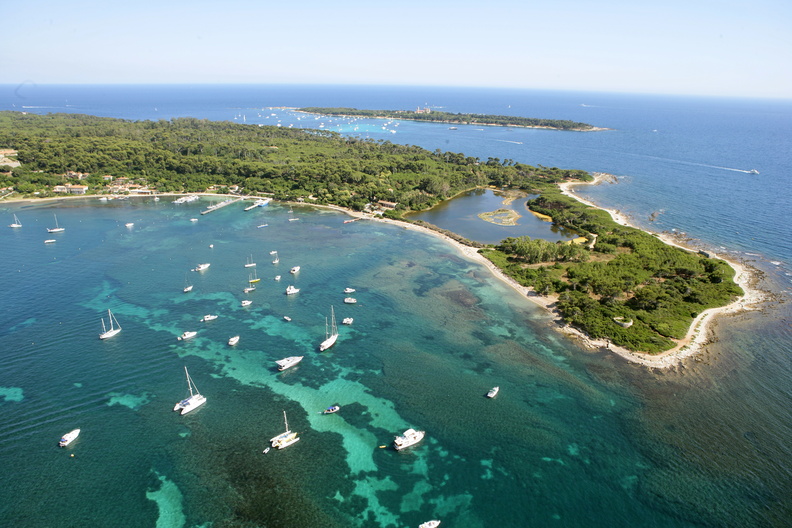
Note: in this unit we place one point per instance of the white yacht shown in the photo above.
(192, 402)
(409, 438)
(233, 341)
(246, 302)
(112, 323)
(69, 437)
(295, 269)
(331, 333)
(201, 267)
(187, 335)
(493, 392)
(291, 290)
(286, 438)
(130, 224)
(350, 300)
(57, 228)
(277, 277)
(208, 317)
(429, 524)
(349, 290)
(348, 321)
(285, 363)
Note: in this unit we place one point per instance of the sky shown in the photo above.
(727, 48)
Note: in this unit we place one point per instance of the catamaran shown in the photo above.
(57, 228)
(286, 438)
(195, 399)
(331, 334)
(16, 223)
(114, 326)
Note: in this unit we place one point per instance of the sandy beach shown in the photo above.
(698, 334)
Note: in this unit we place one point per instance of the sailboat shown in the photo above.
(187, 286)
(286, 438)
(330, 335)
(57, 228)
(194, 401)
(253, 278)
(250, 263)
(16, 223)
(114, 326)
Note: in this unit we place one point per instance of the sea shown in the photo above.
(575, 437)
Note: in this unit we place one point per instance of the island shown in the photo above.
(434, 116)
(615, 284)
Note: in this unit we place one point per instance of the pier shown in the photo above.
(220, 205)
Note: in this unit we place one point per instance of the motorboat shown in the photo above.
(350, 300)
(287, 318)
(130, 224)
(201, 267)
(409, 438)
(112, 323)
(49, 241)
(493, 392)
(332, 409)
(277, 277)
(295, 269)
(68, 438)
(187, 335)
(348, 321)
(193, 401)
(349, 290)
(233, 341)
(208, 317)
(288, 362)
(291, 290)
(246, 302)
(286, 438)
(429, 524)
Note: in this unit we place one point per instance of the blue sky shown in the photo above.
(697, 47)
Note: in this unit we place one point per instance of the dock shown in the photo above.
(220, 205)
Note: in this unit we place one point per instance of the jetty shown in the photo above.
(220, 205)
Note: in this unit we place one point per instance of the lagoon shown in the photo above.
(461, 215)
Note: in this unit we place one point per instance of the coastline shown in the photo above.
(700, 332)
(698, 335)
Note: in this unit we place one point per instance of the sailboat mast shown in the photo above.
(189, 381)
(285, 421)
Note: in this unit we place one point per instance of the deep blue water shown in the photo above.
(576, 437)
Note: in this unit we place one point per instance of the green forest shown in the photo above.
(454, 119)
(620, 274)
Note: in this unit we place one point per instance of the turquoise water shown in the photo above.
(432, 333)
(576, 437)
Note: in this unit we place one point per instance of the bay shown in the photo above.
(575, 437)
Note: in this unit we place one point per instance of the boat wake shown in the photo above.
(508, 141)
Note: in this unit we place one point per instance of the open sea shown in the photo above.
(576, 437)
